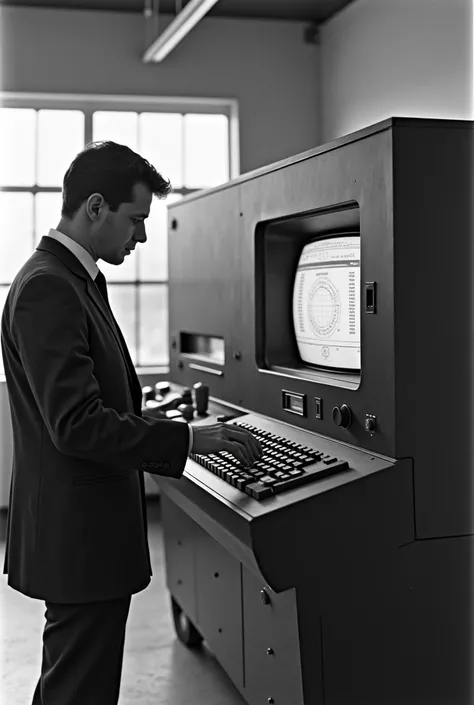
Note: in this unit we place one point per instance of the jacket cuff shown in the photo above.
(190, 438)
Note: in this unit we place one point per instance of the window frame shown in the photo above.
(90, 103)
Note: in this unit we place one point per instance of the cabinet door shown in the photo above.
(179, 531)
(219, 603)
(272, 665)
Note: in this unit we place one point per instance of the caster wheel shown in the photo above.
(185, 629)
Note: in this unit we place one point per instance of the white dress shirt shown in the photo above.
(92, 269)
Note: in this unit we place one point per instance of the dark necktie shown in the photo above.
(102, 286)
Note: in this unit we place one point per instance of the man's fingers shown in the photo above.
(236, 451)
(252, 445)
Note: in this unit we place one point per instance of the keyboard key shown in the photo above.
(296, 463)
(318, 472)
(269, 482)
(265, 478)
(258, 491)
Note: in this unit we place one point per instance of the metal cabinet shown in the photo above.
(179, 556)
(219, 603)
(271, 644)
(251, 630)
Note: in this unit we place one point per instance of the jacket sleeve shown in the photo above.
(49, 329)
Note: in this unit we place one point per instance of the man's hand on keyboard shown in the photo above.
(213, 438)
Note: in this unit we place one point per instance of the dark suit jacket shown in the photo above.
(76, 527)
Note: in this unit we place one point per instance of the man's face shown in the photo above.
(119, 232)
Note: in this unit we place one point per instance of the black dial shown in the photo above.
(342, 416)
(370, 425)
(148, 393)
(162, 388)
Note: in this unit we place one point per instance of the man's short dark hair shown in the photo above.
(112, 170)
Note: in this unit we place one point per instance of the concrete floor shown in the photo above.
(157, 668)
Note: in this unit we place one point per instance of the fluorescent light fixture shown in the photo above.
(178, 29)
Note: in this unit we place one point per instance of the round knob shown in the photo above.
(162, 388)
(270, 651)
(342, 416)
(201, 393)
(187, 410)
(265, 596)
(148, 393)
(187, 396)
(152, 404)
(370, 425)
(237, 355)
(270, 701)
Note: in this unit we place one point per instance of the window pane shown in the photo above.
(3, 297)
(206, 150)
(60, 138)
(153, 324)
(17, 146)
(47, 213)
(125, 272)
(161, 142)
(121, 127)
(16, 233)
(153, 255)
(122, 302)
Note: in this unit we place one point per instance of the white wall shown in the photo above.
(384, 58)
(266, 65)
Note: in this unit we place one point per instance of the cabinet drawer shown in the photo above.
(219, 603)
(271, 644)
(179, 531)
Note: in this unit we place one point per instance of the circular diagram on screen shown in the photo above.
(324, 308)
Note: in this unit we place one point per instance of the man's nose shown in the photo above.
(140, 232)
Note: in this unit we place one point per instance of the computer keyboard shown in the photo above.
(284, 465)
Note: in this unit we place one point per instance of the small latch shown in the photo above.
(370, 297)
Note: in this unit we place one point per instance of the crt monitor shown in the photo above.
(326, 302)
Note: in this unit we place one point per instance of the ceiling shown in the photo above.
(301, 10)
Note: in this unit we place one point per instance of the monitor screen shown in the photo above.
(326, 302)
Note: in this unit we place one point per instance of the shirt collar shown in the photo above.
(82, 255)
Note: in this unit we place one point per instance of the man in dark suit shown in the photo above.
(77, 527)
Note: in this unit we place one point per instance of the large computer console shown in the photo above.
(327, 301)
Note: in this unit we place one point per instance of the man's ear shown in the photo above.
(96, 207)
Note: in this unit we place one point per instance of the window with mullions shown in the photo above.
(37, 146)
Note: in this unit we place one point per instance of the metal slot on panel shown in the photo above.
(370, 298)
(293, 402)
(202, 368)
(209, 348)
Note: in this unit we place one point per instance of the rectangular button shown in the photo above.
(258, 491)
